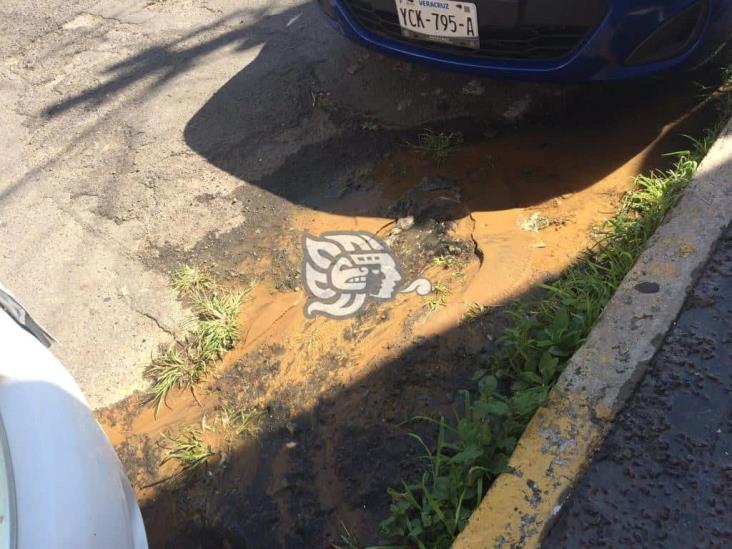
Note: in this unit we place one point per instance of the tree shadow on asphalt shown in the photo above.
(165, 62)
(299, 89)
(353, 445)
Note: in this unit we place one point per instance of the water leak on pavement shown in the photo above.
(509, 208)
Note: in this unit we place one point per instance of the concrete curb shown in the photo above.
(561, 439)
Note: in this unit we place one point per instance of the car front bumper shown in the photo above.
(608, 52)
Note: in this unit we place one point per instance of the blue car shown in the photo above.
(560, 40)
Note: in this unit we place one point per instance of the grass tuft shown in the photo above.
(215, 329)
(188, 280)
(348, 539)
(170, 371)
(440, 288)
(187, 449)
(475, 311)
(438, 145)
(542, 336)
(727, 75)
(239, 421)
(435, 303)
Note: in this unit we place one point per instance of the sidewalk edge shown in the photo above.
(560, 440)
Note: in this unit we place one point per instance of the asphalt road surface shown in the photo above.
(663, 477)
(133, 131)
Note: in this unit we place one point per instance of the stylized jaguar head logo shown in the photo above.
(345, 270)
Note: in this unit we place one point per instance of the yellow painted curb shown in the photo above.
(560, 440)
(548, 457)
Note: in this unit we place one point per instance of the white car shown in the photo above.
(61, 483)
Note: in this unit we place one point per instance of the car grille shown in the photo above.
(521, 42)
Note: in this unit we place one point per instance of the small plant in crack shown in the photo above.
(214, 330)
(437, 145)
(187, 280)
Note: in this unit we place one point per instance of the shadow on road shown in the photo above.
(165, 62)
(332, 463)
(308, 85)
(328, 466)
(571, 138)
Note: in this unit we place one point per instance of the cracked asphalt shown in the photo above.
(663, 477)
(137, 134)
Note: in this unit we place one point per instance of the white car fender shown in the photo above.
(70, 491)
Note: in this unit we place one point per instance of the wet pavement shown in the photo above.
(144, 136)
(335, 391)
(663, 477)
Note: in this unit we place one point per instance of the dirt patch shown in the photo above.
(339, 396)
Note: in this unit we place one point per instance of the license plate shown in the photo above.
(439, 21)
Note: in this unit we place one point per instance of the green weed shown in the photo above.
(438, 145)
(541, 337)
(474, 312)
(727, 75)
(186, 280)
(214, 330)
(444, 261)
(435, 303)
(239, 421)
(348, 540)
(170, 371)
(440, 288)
(187, 449)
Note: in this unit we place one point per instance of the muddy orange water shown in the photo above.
(507, 211)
